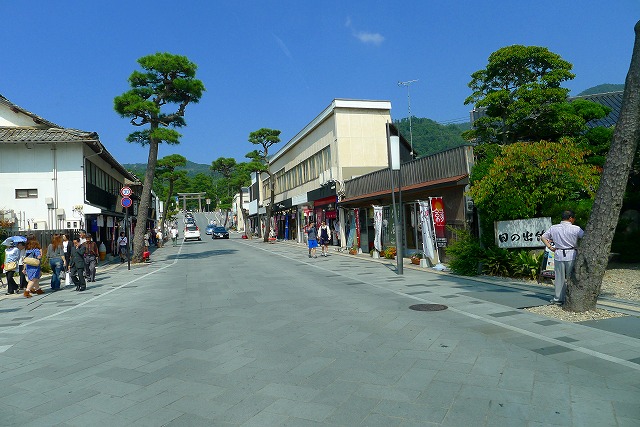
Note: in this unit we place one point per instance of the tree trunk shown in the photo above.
(166, 206)
(145, 202)
(584, 285)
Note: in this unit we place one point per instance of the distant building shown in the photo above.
(612, 100)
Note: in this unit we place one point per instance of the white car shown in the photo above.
(191, 232)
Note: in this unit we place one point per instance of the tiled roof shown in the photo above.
(612, 100)
(28, 134)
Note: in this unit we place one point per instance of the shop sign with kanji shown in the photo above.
(521, 233)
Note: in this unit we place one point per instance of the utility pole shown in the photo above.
(407, 84)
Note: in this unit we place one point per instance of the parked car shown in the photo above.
(209, 229)
(220, 233)
(191, 232)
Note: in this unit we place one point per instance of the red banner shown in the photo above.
(356, 212)
(437, 215)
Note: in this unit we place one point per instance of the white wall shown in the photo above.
(33, 168)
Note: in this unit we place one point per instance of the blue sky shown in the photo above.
(278, 64)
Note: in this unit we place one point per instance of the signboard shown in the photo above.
(427, 232)
(521, 233)
(439, 223)
(125, 191)
(126, 202)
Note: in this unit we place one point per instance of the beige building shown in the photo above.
(347, 139)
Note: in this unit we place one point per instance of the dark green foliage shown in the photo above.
(464, 253)
(430, 137)
(626, 245)
(582, 209)
(191, 168)
(497, 262)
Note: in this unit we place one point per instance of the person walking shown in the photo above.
(312, 239)
(122, 246)
(325, 232)
(160, 237)
(90, 258)
(55, 253)
(66, 248)
(21, 271)
(562, 240)
(174, 235)
(33, 272)
(76, 265)
(11, 258)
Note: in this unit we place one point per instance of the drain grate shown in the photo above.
(428, 307)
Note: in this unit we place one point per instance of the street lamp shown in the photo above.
(407, 84)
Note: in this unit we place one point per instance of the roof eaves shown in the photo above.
(36, 119)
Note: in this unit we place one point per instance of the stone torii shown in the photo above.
(191, 196)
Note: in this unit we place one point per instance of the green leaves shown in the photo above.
(516, 88)
(525, 177)
(166, 80)
(264, 137)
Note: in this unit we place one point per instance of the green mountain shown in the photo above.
(603, 88)
(431, 137)
(192, 169)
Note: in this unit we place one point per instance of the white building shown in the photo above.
(240, 209)
(55, 178)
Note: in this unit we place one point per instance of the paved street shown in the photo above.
(242, 333)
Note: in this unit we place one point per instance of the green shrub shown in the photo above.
(465, 253)
(390, 252)
(497, 262)
(527, 264)
(626, 244)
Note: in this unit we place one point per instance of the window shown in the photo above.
(30, 193)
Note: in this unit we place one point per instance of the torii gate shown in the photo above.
(191, 196)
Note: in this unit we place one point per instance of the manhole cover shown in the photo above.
(428, 307)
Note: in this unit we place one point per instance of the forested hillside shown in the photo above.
(603, 88)
(430, 137)
(192, 169)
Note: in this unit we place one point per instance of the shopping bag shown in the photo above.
(67, 278)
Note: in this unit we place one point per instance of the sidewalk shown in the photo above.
(108, 264)
(598, 346)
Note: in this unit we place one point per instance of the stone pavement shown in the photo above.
(242, 333)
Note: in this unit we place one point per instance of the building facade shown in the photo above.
(347, 139)
(56, 178)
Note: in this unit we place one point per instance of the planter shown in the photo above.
(353, 251)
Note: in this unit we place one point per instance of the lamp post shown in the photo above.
(407, 84)
(393, 148)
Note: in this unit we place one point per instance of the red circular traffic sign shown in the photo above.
(125, 191)
(126, 202)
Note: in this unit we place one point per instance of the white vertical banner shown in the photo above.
(377, 217)
(427, 236)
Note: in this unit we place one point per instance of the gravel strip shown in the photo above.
(556, 312)
(621, 281)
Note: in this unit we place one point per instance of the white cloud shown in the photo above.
(373, 38)
(364, 36)
(283, 47)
